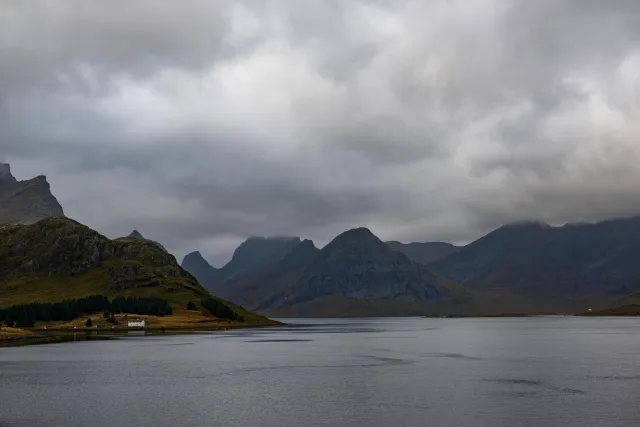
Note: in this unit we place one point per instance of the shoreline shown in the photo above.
(40, 336)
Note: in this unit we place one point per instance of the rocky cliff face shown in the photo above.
(25, 202)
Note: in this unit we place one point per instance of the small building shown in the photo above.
(136, 323)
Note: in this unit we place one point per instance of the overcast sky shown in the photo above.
(202, 122)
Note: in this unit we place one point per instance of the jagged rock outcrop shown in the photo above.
(25, 202)
(135, 234)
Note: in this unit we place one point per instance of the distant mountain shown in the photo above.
(25, 202)
(424, 253)
(206, 274)
(358, 274)
(541, 267)
(135, 234)
(254, 253)
(254, 287)
(257, 252)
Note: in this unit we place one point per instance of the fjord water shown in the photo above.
(548, 371)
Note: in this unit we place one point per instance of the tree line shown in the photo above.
(221, 310)
(26, 315)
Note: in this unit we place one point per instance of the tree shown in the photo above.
(88, 323)
(191, 306)
(106, 315)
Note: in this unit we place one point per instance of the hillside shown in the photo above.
(424, 253)
(25, 202)
(539, 267)
(58, 259)
(357, 274)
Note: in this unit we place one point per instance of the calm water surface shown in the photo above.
(344, 373)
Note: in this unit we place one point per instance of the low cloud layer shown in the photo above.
(202, 122)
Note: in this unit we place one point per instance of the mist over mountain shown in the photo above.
(424, 253)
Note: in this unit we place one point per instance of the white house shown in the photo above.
(137, 323)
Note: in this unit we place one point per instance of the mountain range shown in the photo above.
(523, 267)
(526, 267)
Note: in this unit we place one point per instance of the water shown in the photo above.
(534, 372)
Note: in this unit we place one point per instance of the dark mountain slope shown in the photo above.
(25, 202)
(206, 274)
(358, 269)
(253, 254)
(424, 253)
(554, 267)
(256, 286)
(257, 252)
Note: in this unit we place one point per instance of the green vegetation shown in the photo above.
(25, 315)
(218, 309)
(59, 270)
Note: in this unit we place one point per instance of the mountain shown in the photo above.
(135, 234)
(358, 274)
(540, 267)
(256, 286)
(57, 259)
(25, 202)
(424, 253)
(257, 252)
(206, 274)
(254, 253)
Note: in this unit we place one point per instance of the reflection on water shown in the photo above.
(355, 372)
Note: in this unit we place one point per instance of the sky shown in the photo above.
(200, 123)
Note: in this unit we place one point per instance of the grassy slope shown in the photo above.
(143, 269)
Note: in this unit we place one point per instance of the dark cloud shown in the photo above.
(202, 122)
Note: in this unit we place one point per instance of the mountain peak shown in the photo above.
(25, 202)
(136, 235)
(356, 237)
(6, 179)
(5, 170)
(195, 255)
(300, 255)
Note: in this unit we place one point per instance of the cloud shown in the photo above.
(203, 122)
